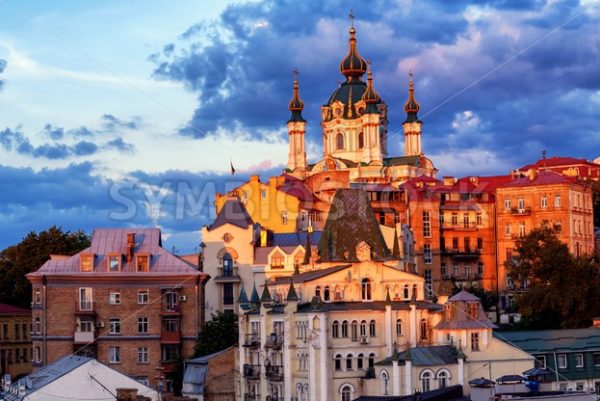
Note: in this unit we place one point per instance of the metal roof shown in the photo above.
(543, 341)
(426, 356)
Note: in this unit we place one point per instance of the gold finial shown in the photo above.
(351, 16)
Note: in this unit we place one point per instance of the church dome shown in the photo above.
(353, 65)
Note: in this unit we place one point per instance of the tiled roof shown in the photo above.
(542, 341)
(557, 161)
(233, 212)
(294, 239)
(547, 177)
(6, 309)
(107, 241)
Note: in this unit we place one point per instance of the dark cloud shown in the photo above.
(240, 67)
(111, 123)
(55, 133)
(120, 145)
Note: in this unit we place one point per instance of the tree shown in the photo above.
(217, 334)
(562, 291)
(29, 255)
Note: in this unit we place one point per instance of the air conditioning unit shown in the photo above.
(100, 325)
(182, 298)
(364, 340)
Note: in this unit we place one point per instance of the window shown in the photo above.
(443, 377)
(479, 243)
(557, 200)
(479, 217)
(423, 329)
(371, 360)
(142, 325)
(114, 326)
(474, 341)
(263, 194)
(85, 299)
(521, 229)
(38, 327)
(473, 310)
(562, 361)
(114, 263)
(372, 328)
(398, 327)
(169, 352)
(426, 381)
(406, 292)
(428, 284)
(443, 271)
(506, 204)
(456, 271)
(521, 204)
(427, 253)
(86, 326)
(227, 265)
(114, 298)
(454, 219)
(363, 328)
(37, 297)
(114, 354)
(597, 359)
(579, 360)
(142, 356)
(544, 201)
(142, 263)
(354, 330)
(326, 294)
(361, 140)
(360, 362)
(345, 329)
(366, 289)
(455, 243)
(335, 329)
(508, 230)
(86, 263)
(318, 292)
(466, 220)
(338, 362)
(426, 225)
(142, 297)
(38, 354)
(480, 269)
(170, 324)
(339, 141)
(349, 362)
(346, 393)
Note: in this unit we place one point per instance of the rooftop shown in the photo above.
(6, 309)
(545, 341)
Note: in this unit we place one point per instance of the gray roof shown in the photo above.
(45, 376)
(310, 275)
(451, 393)
(194, 378)
(110, 241)
(544, 341)
(463, 296)
(261, 254)
(430, 356)
(232, 212)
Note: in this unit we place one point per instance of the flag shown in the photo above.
(231, 165)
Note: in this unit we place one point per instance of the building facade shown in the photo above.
(15, 341)
(125, 301)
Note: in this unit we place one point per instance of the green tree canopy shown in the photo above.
(29, 255)
(562, 291)
(217, 334)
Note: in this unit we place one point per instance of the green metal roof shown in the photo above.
(543, 341)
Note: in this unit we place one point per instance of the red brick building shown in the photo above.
(124, 300)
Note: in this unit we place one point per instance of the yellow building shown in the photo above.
(15, 341)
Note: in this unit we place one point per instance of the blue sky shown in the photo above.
(127, 113)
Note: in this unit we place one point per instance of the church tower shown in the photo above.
(371, 140)
(412, 125)
(296, 131)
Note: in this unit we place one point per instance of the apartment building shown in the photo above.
(15, 341)
(124, 300)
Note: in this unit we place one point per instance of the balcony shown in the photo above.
(251, 372)
(274, 373)
(466, 254)
(370, 373)
(227, 275)
(83, 337)
(464, 226)
(468, 277)
(172, 309)
(274, 398)
(520, 211)
(252, 341)
(85, 308)
(274, 341)
(251, 397)
(170, 337)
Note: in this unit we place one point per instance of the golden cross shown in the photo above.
(351, 16)
(296, 72)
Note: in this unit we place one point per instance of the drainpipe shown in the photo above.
(44, 282)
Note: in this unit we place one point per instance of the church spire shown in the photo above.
(411, 106)
(370, 96)
(296, 105)
(353, 65)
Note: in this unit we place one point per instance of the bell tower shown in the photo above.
(296, 131)
(412, 125)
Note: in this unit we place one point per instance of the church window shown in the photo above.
(326, 294)
(366, 289)
(339, 141)
(361, 140)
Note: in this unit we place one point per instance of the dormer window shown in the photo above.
(473, 310)
(86, 262)
(142, 263)
(114, 263)
(447, 312)
(277, 261)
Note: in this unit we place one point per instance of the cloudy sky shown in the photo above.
(128, 113)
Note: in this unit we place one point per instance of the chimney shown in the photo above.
(449, 180)
(532, 173)
(130, 246)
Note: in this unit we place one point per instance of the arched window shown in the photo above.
(398, 327)
(227, 265)
(423, 329)
(335, 330)
(318, 292)
(384, 382)
(345, 329)
(363, 328)
(372, 328)
(346, 393)
(371, 360)
(326, 294)
(366, 289)
(339, 141)
(426, 381)
(354, 330)
(361, 140)
(349, 362)
(406, 294)
(415, 292)
(443, 378)
(360, 362)
(338, 362)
